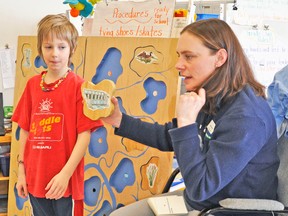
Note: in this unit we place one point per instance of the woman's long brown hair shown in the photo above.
(234, 74)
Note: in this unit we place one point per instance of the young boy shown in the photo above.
(54, 132)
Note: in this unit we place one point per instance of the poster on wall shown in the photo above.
(262, 29)
(267, 50)
(7, 68)
(150, 18)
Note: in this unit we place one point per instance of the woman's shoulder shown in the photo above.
(249, 97)
(248, 103)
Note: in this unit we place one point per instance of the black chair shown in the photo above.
(171, 180)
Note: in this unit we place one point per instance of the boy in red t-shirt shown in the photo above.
(54, 131)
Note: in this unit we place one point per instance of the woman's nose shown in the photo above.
(179, 66)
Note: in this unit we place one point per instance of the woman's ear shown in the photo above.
(221, 57)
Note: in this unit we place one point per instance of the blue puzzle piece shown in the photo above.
(92, 188)
(156, 90)
(106, 209)
(123, 176)
(98, 142)
(110, 67)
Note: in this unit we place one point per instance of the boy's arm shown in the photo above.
(77, 153)
(58, 185)
(21, 181)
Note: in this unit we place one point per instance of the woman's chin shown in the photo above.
(190, 88)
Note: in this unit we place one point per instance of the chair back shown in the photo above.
(283, 168)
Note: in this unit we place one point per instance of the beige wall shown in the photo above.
(21, 18)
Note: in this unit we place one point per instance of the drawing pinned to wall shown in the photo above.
(7, 73)
(7, 67)
(266, 49)
(262, 28)
(149, 18)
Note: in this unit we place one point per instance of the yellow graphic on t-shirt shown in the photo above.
(46, 127)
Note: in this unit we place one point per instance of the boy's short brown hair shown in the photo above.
(57, 26)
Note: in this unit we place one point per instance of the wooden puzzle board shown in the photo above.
(146, 88)
(117, 171)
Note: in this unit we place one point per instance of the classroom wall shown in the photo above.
(266, 49)
(21, 18)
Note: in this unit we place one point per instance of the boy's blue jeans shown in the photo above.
(47, 207)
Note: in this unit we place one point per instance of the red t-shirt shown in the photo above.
(53, 120)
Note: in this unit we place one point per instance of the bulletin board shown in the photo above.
(118, 171)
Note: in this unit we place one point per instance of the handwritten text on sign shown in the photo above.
(134, 19)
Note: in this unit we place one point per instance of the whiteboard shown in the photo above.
(262, 29)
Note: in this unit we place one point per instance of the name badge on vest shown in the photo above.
(210, 129)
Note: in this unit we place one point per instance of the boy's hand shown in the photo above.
(21, 184)
(57, 186)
